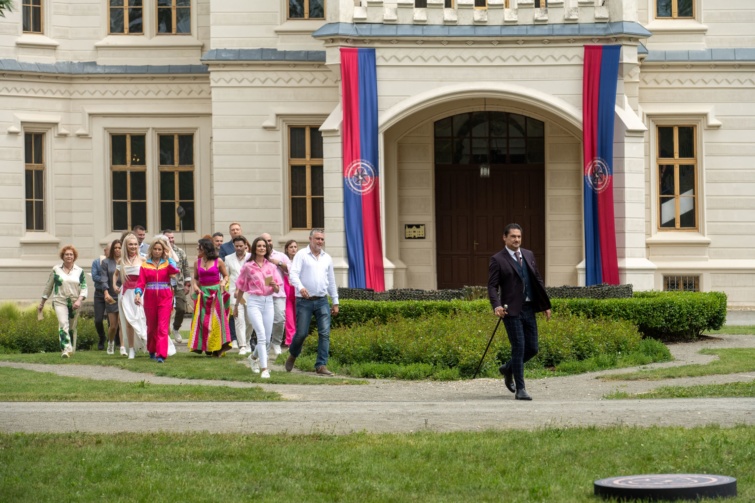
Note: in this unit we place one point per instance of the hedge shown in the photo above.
(20, 332)
(450, 345)
(660, 315)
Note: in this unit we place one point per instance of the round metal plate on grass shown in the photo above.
(667, 486)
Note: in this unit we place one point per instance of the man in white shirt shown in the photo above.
(234, 263)
(311, 273)
(281, 263)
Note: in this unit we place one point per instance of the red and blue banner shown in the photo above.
(601, 72)
(361, 187)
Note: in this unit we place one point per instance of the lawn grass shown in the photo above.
(729, 390)
(18, 385)
(731, 361)
(733, 330)
(182, 365)
(550, 465)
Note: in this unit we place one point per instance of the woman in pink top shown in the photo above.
(257, 280)
(210, 332)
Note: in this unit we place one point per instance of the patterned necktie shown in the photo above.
(519, 258)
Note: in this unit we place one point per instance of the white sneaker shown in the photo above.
(131, 354)
(177, 337)
(67, 354)
(276, 350)
(111, 347)
(265, 374)
(255, 364)
(123, 351)
(243, 351)
(234, 344)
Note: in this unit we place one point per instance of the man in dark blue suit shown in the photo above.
(513, 272)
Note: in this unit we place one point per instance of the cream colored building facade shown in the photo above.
(231, 108)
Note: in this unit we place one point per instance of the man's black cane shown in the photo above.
(489, 342)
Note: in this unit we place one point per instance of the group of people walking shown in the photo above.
(139, 285)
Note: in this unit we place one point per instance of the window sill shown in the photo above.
(676, 26)
(307, 26)
(36, 40)
(141, 41)
(681, 238)
(38, 238)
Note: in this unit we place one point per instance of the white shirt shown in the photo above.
(313, 273)
(234, 265)
(276, 256)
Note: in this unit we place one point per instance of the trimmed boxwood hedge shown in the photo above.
(20, 332)
(661, 315)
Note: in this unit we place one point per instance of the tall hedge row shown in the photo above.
(661, 315)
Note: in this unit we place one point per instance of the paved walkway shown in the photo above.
(392, 406)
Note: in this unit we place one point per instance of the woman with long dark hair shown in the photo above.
(210, 333)
(257, 280)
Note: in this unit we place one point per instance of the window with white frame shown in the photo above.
(132, 174)
(305, 163)
(677, 165)
(34, 182)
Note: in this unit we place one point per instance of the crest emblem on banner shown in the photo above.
(360, 177)
(598, 175)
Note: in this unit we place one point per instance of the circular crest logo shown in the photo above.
(360, 177)
(598, 175)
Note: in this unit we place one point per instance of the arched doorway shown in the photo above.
(489, 171)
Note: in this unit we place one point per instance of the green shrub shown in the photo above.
(661, 315)
(447, 346)
(22, 332)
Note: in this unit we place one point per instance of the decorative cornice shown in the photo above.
(262, 55)
(324, 78)
(695, 79)
(92, 68)
(584, 30)
(451, 56)
(730, 55)
(129, 90)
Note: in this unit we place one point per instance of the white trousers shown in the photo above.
(243, 328)
(259, 314)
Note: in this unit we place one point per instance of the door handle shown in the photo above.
(475, 245)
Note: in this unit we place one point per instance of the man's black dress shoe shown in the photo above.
(508, 378)
(521, 394)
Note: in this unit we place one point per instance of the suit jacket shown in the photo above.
(226, 249)
(503, 273)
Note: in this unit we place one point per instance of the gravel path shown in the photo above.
(393, 406)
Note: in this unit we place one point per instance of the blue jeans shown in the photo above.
(305, 308)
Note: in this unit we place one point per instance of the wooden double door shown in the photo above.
(471, 212)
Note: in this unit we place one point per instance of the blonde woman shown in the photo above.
(67, 286)
(132, 319)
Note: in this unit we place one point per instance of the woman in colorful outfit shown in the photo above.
(290, 250)
(210, 333)
(154, 286)
(68, 286)
(132, 320)
(257, 280)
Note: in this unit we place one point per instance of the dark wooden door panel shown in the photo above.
(471, 213)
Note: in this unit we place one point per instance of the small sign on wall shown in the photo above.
(414, 231)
